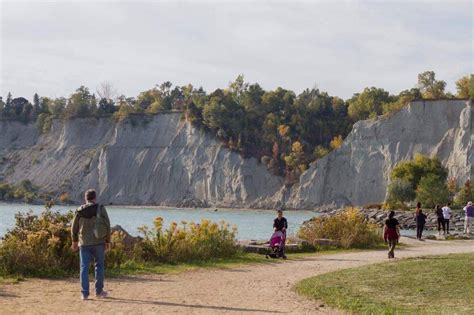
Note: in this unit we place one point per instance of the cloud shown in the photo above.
(52, 48)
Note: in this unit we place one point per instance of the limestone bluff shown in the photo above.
(164, 160)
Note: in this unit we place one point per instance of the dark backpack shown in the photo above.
(101, 227)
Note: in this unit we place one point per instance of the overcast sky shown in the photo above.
(338, 46)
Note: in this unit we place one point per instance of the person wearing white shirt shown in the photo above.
(447, 215)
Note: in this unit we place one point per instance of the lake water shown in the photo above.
(251, 224)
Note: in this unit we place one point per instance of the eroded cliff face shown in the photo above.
(162, 160)
(358, 172)
(159, 160)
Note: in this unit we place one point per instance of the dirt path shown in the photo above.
(263, 288)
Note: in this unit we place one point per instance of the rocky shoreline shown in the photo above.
(407, 218)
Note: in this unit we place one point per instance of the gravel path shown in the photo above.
(249, 289)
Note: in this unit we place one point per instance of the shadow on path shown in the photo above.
(210, 307)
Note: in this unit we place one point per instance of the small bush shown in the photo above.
(188, 242)
(38, 245)
(348, 228)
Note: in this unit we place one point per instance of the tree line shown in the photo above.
(283, 130)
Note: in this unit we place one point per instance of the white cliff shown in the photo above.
(159, 160)
(358, 172)
(163, 160)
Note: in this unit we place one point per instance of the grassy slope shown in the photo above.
(439, 284)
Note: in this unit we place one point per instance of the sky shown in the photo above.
(53, 47)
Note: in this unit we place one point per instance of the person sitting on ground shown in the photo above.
(420, 220)
(447, 215)
(468, 217)
(91, 236)
(281, 224)
(391, 233)
(440, 217)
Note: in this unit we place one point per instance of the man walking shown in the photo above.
(468, 217)
(91, 235)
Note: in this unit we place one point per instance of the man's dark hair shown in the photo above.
(90, 194)
(279, 211)
(391, 214)
(449, 203)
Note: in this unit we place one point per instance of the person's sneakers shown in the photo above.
(102, 295)
(84, 297)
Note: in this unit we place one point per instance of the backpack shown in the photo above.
(101, 227)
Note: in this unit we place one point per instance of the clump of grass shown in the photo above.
(430, 285)
(187, 242)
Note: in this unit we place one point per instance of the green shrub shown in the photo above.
(348, 228)
(38, 245)
(188, 242)
(432, 190)
(399, 191)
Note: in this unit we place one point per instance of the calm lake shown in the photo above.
(251, 224)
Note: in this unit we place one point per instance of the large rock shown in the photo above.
(158, 160)
(358, 172)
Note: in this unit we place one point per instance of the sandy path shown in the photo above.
(263, 288)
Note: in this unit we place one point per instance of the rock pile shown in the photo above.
(407, 218)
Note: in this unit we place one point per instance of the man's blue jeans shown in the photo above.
(87, 253)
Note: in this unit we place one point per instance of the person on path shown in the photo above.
(468, 217)
(420, 220)
(440, 217)
(447, 215)
(91, 236)
(281, 224)
(391, 234)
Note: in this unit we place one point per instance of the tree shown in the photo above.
(81, 103)
(465, 86)
(8, 108)
(2, 106)
(369, 103)
(465, 195)
(399, 191)
(336, 142)
(106, 90)
(295, 160)
(106, 106)
(36, 106)
(432, 190)
(429, 86)
(320, 152)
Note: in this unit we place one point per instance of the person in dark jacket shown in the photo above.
(420, 223)
(281, 224)
(440, 217)
(90, 247)
(391, 234)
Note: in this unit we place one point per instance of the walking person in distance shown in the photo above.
(440, 218)
(391, 234)
(91, 236)
(420, 220)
